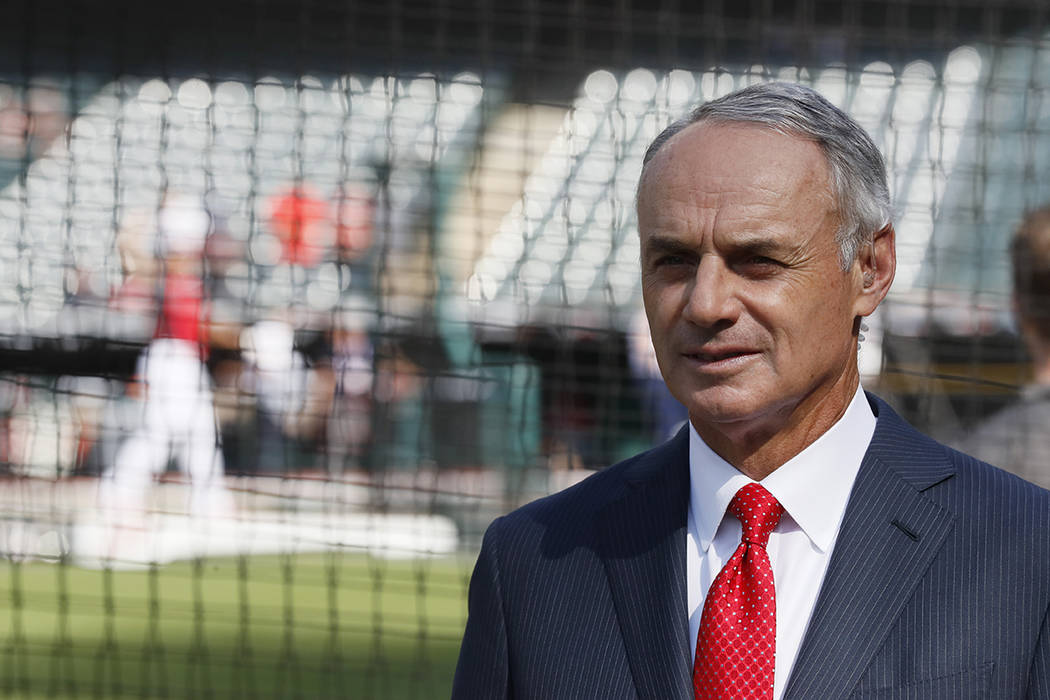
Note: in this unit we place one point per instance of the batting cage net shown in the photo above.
(296, 297)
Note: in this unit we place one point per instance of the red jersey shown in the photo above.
(181, 309)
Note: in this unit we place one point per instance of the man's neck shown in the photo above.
(758, 448)
(765, 453)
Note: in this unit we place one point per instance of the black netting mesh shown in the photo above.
(295, 297)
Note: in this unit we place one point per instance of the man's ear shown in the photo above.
(878, 264)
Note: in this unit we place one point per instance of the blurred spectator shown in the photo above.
(1018, 437)
(31, 118)
(177, 416)
(10, 387)
(350, 419)
(228, 307)
(396, 409)
(355, 220)
(300, 219)
(89, 402)
(275, 373)
(662, 412)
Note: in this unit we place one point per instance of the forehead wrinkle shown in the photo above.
(737, 188)
(670, 183)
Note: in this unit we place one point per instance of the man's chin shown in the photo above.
(731, 415)
(723, 403)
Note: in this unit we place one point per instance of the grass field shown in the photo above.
(304, 626)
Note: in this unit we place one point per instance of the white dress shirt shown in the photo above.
(813, 487)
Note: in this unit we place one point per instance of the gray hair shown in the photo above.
(858, 173)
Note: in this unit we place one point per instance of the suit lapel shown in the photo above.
(890, 534)
(641, 540)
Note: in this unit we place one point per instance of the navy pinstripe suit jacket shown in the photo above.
(938, 586)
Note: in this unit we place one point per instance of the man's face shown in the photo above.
(751, 314)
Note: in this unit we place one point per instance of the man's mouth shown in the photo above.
(709, 357)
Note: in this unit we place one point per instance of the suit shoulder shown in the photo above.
(912, 453)
(1016, 438)
(994, 500)
(974, 490)
(993, 482)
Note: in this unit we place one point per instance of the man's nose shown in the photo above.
(712, 298)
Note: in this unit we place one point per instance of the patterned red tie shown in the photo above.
(736, 646)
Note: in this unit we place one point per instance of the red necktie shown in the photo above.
(736, 646)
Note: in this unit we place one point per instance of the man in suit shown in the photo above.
(797, 539)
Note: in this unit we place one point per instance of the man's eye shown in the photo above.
(761, 260)
(670, 260)
(759, 266)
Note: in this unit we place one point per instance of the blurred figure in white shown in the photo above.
(177, 415)
(275, 373)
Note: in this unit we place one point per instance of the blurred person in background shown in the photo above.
(349, 430)
(1017, 438)
(176, 416)
(292, 395)
(664, 413)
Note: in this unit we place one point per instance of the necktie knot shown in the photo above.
(758, 512)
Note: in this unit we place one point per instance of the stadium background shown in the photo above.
(421, 232)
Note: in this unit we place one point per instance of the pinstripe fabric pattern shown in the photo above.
(938, 586)
(582, 594)
(939, 583)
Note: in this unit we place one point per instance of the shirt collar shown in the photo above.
(813, 486)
